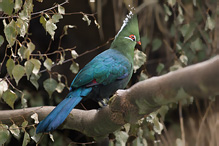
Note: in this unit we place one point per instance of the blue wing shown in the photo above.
(103, 69)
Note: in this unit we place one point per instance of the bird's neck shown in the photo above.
(126, 50)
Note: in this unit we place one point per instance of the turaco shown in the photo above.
(101, 77)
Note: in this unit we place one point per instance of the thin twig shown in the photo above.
(166, 133)
(83, 143)
(202, 124)
(13, 86)
(86, 52)
(181, 124)
(52, 53)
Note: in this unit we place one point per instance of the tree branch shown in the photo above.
(128, 106)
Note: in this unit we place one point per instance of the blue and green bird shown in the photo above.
(101, 77)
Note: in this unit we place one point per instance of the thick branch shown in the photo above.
(128, 106)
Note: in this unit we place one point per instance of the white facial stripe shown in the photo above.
(128, 38)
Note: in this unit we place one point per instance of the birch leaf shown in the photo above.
(18, 72)
(9, 97)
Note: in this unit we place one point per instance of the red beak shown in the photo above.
(139, 42)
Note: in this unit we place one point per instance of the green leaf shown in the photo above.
(140, 142)
(152, 118)
(175, 66)
(7, 6)
(56, 18)
(34, 80)
(139, 59)
(183, 59)
(30, 47)
(167, 10)
(74, 54)
(14, 129)
(127, 127)
(26, 139)
(181, 94)
(24, 125)
(160, 67)
(163, 111)
(180, 142)
(37, 65)
(17, 5)
(25, 14)
(9, 97)
(171, 2)
(18, 72)
(194, 3)
(85, 18)
(158, 127)
(48, 64)
(210, 23)
(74, 67)
(35, 117)
(3, 86)
(22, 52)
(180, 16)
(121, 137)
(178, 47)
(156, 44)
(10, 32)
(50, 86)
(61, 9)
(10, 66)
(60, 87)
(23, 102)
(36, 137)
(43, 21)
(50, 28)
(1, 40)
(187, 31)
(197, 45)
(143, 76)
(4, 133)
(29, 66)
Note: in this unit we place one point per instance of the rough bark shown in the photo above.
(127, 106)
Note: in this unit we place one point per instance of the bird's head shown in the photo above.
(128, 36)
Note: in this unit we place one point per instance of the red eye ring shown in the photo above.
(132, 37)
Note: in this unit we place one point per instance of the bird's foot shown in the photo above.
(103, 102)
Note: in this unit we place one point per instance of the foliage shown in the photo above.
(184, 33)
(25, 60)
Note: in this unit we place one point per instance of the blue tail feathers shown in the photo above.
(60, 113)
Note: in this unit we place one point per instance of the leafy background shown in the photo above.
(43, 45)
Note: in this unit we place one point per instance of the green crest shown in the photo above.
(127, 37)
(130, 26)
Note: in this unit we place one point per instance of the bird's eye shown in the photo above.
(132, 37)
